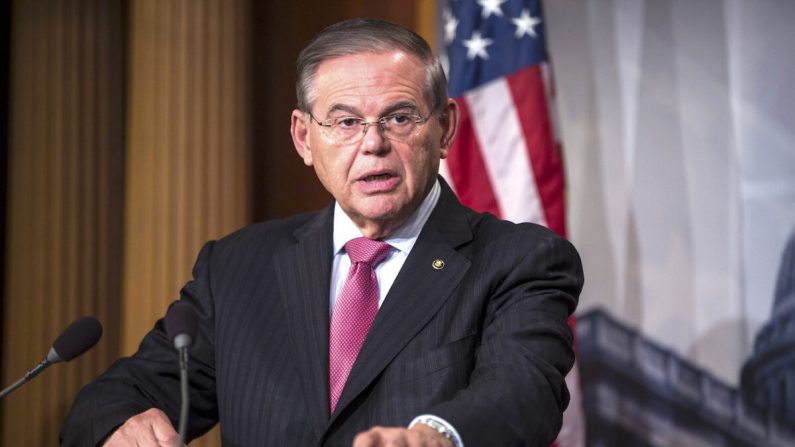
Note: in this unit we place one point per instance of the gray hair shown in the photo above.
(357, 36)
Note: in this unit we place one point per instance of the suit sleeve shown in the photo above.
(517, 390)
(150, 378)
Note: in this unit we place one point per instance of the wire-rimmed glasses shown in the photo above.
(345, 130)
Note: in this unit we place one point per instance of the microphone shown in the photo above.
(181, 322)
(76, 339)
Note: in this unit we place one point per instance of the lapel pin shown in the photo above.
(437, 264)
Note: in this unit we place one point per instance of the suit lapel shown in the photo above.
(419, 291)
(304, 272)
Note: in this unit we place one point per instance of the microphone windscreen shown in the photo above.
(181, 319)
(78, 338)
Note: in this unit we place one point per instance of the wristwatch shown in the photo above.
(439, 427)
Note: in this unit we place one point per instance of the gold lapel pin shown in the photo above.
(437, 264)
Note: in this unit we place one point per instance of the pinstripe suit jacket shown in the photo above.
(482, 342)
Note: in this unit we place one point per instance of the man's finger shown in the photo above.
(369, 438)
(165, 433)
(148, 429)
(423, 436)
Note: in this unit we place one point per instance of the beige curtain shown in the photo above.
(65, 174)
(112, 190)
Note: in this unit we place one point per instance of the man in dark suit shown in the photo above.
(452, 332)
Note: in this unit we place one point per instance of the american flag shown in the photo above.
(505, 158)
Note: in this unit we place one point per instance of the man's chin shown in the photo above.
(383, 207)
(384, 217)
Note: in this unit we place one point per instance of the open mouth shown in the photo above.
(378, 183)
(377, 177)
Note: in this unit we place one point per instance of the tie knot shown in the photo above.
(366, 250)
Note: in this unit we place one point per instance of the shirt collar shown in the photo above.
(402, 238)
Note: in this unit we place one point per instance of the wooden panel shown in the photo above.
(64, 202)
(187, 148)
(426, 22)
(187, 174)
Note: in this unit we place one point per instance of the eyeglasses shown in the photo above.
(350, 129)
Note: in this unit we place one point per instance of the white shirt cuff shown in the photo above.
(457, 442)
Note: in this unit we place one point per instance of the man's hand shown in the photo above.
(420, 435)
(148, 429)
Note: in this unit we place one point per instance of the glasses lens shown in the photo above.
(400, 126)
(345, 130)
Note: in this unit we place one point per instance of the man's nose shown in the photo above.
(373, 140)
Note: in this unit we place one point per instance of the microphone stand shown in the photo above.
(181, 322)
(183, 386)
(28, 376)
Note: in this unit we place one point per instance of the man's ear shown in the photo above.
(449, 123)
(299, 129)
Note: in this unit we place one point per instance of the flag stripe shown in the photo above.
(499, 129)
(467, 168)
(529, 97)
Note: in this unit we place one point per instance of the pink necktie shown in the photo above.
(354, 311)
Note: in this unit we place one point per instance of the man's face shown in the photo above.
(378, 182)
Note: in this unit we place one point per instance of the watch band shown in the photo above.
(442, 429)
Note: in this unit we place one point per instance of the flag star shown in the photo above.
(476, 46)
(450, 25)
(491, 7)
(525, 24)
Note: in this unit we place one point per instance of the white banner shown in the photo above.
(678, 120)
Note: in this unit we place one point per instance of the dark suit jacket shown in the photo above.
(482, 342)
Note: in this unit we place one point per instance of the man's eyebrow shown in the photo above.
(400, 105)
(344, 108)
(385, 111)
